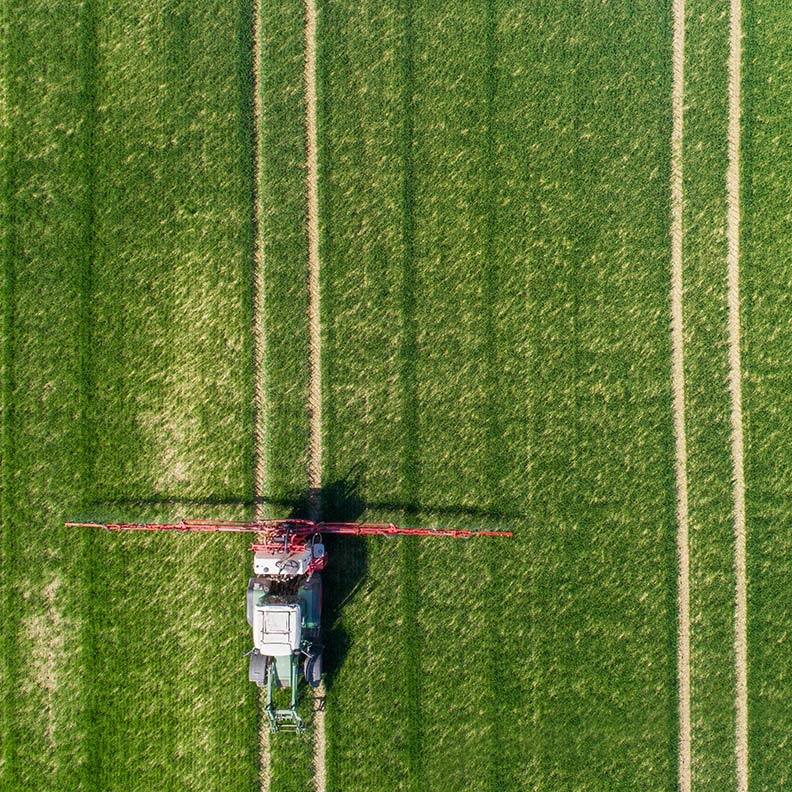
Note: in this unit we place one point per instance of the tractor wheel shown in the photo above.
(312, 669)
(258, 669)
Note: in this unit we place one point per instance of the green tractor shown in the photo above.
(285, 614)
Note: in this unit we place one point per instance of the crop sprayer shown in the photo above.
(284, 596)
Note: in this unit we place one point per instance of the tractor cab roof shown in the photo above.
(277, 628)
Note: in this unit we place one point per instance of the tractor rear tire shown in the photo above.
(258, 669)
(312, 669)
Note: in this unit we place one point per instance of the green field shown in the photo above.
(768, 385)
(472, 334)
(496, 354)
(126, 391)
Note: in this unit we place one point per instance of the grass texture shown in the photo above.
(707, 427)
(766, 271)
(495, 218)
(126, 394)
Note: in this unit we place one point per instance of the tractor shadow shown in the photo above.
(346, 567)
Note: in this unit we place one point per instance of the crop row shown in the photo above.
(767, 383)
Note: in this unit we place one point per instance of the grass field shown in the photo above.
(495, 219)
(768, 377)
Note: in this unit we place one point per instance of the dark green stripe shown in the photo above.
(326, 22)
(283, 194)
(248, 159)
(709, 469)
(15, 46)
(765, 274)
(285, 259)
(410, 464)
(498, 771)
(89, 562)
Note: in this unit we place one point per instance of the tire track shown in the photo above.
(735, 390)
(314, 341)
(259, 369)
(678, 385)
(320, 745)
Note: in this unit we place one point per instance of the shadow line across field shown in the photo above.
(297, 502)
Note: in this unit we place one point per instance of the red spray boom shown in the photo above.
(289, 534)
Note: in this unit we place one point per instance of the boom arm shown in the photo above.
(298, 530)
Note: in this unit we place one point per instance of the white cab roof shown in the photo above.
(277, 629)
